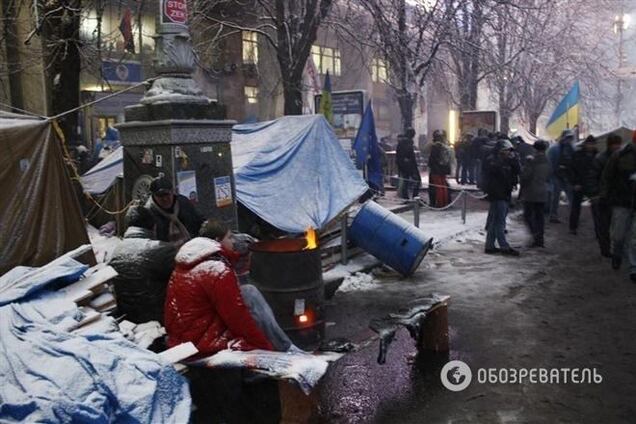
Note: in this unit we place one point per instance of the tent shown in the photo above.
(104, 182)
(624, 132)
(40, 216)
(291, 172)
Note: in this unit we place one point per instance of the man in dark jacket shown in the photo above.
(534, 191)
(501, 172)
(476, 146)
(618, 186)
(601, 209)
(582, 178)
(144, 266)
(560, 157)
(176, 217)
(406, 163)
(439, 166)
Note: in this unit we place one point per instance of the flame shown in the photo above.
(310, 236)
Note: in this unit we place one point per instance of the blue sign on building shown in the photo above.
(123, 72)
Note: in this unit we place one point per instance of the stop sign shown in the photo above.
(175, 11)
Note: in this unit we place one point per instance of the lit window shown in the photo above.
(250, 47)
(251, 94)
(378, 70)
(326, 59)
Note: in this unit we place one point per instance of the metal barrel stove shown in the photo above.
(290, 278)
(394, 241)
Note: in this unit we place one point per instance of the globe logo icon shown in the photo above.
(456, 375)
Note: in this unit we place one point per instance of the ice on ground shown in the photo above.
(358, 281)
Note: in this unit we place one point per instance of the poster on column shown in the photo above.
(223, 191)
(187, 185)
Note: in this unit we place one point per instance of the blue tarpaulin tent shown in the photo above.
(291, 172)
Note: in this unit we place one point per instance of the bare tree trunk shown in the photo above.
(60, 42)
(532, 124)
(10, 14)
(293, 97)
(405, 98)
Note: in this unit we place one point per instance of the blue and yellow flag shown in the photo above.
(566, 114)
(326, 107)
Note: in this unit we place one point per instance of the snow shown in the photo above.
(358, 282)
(103, 246)
(197, 249)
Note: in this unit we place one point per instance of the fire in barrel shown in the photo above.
(289, 274)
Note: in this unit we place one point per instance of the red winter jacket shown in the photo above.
(204, 304)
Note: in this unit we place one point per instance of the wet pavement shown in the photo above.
(557, 307)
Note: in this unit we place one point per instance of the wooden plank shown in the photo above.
(179, 352)
(77, 291)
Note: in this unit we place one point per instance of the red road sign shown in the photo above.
(175, 11)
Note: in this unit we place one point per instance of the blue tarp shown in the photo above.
(50, 374)
(23, 280)
(99, 178)
(293, 173)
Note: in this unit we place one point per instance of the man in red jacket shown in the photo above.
(206, 306)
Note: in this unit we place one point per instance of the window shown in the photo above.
(250, 47)
(103, 122)
(251, 94)
(326, 59)
(378, 70)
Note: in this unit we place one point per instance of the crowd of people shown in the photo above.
(607, 179)
(183, 271)
(544, 173)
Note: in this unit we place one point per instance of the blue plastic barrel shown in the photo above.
(391, 239)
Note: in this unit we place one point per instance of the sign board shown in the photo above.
(348, 108)
(122, 72)
(471, 121)
(223, 191)
(174, 12)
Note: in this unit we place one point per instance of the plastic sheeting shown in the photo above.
(23, 280)
(293, 173)
(40, 217)
(303, 368)
(50, 374)
(100, 177)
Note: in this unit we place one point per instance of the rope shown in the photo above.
(85, 105)
(76, 176)
(26, 112)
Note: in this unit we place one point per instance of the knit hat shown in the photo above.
(161, 185)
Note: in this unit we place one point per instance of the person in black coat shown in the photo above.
(406, 162)
(601, 209)
(439, 166)
(581, 175)
(501, 174)
(476, 146)
(176, 217)
(144, 266)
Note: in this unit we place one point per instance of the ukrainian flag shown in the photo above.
(326, 107)
(566, 114)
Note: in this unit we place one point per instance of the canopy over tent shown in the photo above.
(293, 173)
(40, 217)
(527, 136)
(100, 177)
(624, 132)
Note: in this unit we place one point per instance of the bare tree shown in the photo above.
(290, 27)
(408, 35)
